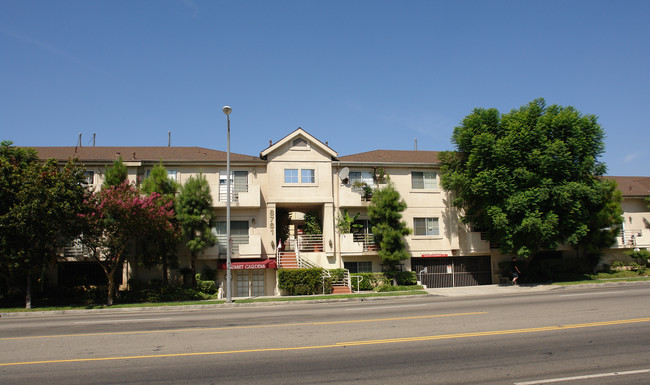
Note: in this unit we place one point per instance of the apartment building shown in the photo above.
(277, 196)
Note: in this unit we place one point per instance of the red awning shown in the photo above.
(434, 255)
(249, 265)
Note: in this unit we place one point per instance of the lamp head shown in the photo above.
(227, 110)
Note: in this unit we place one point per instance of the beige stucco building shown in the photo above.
(299, 175)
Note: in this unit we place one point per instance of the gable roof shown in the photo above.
(393, 156)
(632, 186)
(131, 154)
(292, 136)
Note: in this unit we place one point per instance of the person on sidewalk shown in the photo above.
(514, 270)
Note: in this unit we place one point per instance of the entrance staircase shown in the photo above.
(293, 259)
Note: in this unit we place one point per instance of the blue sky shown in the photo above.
(361, 75)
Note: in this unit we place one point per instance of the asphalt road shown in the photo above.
(572, 336)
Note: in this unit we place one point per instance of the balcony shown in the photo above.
(629, 239)
(352, 196)
(75, 250)
(241, 195)
(357, 243)
(243, 246)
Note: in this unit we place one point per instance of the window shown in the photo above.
(359, 177)
(238, 233)
(238, 184)
(290, 175)
(426, 226)
(358, 267)
(302, 176)
(171, 174)
(307, 176)
(89, 177)
(424, 180)
(300, 142)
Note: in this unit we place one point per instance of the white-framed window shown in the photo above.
(426, 226)
(308, 175)
(424, 180)
(89, 178)
(290, 175)
(358, 177)
(299, 176)
(171, 174)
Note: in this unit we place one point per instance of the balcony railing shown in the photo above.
(235, 189)
(628, 238)
(237, 240)
(76, 249)
(309, 243)
(367, 240)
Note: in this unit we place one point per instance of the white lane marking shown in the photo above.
(122, 320)
(381, 307)
(586, 377)
(598, 293)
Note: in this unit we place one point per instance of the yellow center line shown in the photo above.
(496, 332)
(245, 327)
(344, 344)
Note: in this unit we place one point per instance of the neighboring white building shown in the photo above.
(298, 175)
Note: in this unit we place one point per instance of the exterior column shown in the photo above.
(270, 238)
(329, 233)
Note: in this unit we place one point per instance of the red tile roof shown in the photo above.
(632, 186)
(394, 156)
(154, 154)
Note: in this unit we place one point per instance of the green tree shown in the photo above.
(530, 178)
(38, 210)
(160, 248)
(345, 223)
(388, 228)
(602, 223)
(160, 182)
(114, 217)
(116, 174)
(196, 217)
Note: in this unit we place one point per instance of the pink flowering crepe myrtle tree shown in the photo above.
(115, 216)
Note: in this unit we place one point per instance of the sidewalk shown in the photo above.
(496, 290)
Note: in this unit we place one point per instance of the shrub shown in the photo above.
(301, 281)
(388, 287)
(406, 278)
(617, 264)
(369, 281)
(337, 274)
(640, 256)
(207, 287)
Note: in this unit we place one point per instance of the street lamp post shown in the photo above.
(227, 110)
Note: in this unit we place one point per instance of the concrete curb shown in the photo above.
(195, 307)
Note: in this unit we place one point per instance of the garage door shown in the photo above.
(453, 271)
